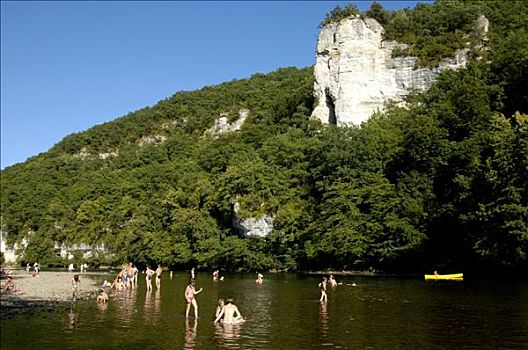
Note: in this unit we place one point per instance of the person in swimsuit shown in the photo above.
(260, 278)
(135, 272)
(159, 270)
(322, 289)
(148, 277)
(230, 313)
(75, 284)
(190, 293)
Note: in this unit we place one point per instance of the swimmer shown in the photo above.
(228, 313)
(102, 297)
(190, 293)
(260, 278)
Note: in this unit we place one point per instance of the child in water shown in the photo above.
(190, 293)
(322, 289)
(75, 284)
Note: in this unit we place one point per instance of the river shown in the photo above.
(284, 313)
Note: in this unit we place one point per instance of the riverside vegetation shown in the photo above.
(442, 182)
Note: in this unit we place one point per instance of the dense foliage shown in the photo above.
(338, 13)
(442, 183)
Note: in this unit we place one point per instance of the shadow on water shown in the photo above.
(285, 313)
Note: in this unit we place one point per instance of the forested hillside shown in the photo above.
(441, 183)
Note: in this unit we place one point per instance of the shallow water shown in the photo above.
(284, 313)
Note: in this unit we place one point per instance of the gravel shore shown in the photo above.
(49, 290)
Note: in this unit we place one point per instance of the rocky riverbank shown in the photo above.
(49, 291)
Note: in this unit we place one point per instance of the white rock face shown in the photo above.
(355, 74)
(261, 226)
(221, 125)
(151, 139)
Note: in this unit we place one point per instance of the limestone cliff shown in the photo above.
(355, 73)
(222, 126)
(260, 226)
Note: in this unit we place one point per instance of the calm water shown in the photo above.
(284, 313)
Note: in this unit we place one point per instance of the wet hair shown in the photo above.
(76, 278)
(100, 291)
(229, 301)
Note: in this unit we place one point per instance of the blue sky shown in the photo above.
(67, 66)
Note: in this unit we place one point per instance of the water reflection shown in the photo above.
(228, 335)
(152, 306)
(72, 317)
(102, 307)
(284, 313)
(157, 302)
(323, 318)
(148, 306)
(190, 334)
(126, 301)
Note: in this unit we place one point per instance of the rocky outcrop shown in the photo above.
(222, 124)
(151, 139)
(261, 226)
(355, 73)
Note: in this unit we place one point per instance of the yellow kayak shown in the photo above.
(452, 277)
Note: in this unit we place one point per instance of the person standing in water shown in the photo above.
(190, 293)
(148, 277)
(228, 313)
(322, 289)
(193, 276)
(260, 278)
(75, 284)
(159, 270)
